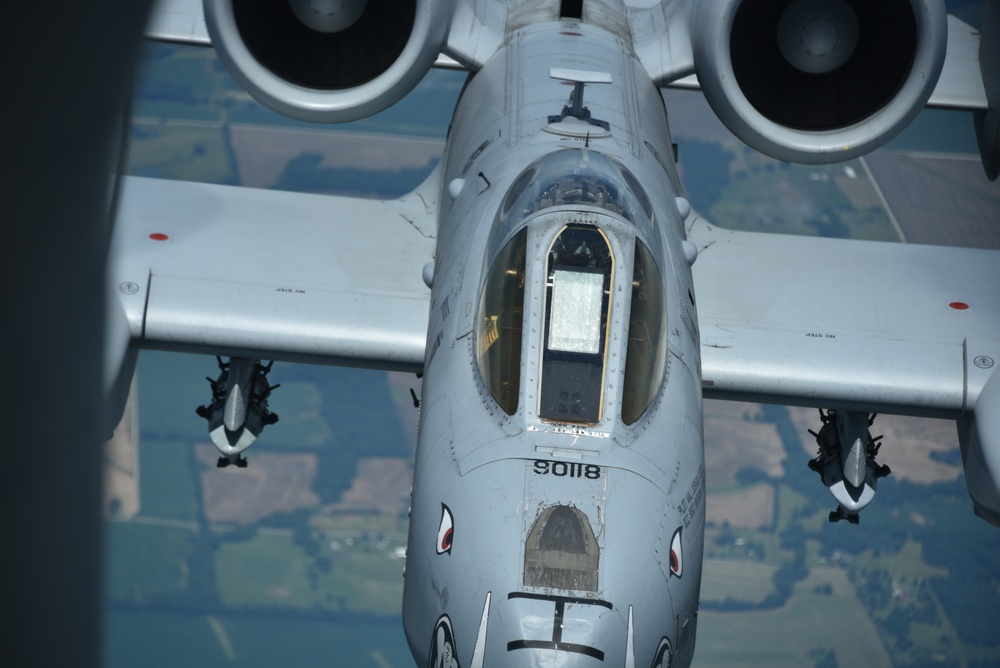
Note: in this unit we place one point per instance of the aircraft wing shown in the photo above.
(275, 275)
(832, 323)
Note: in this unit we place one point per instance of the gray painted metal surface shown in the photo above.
(844, 324)
(180, 21)
(960, 85)
(559, 495)
(275, 275)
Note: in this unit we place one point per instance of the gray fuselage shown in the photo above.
(559, 499)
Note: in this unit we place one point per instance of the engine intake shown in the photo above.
(328, 61)
(818, 81)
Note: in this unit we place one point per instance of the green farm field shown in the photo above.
(790, 636)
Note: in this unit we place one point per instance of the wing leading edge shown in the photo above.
(275, 275)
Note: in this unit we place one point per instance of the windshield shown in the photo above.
(647, 337)
(578, 285)
(575, 176)
(498, 328)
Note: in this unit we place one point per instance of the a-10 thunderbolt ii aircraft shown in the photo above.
(567, 308)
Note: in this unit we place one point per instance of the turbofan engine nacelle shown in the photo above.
(818, 81)
(328, 61)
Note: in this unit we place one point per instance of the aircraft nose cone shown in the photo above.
(560, 625)
(545, 630)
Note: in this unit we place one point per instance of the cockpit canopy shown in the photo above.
(573, 177)
(579, 272)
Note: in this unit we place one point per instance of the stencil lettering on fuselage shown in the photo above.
(563, 500)
(567, 469)
(689, 504)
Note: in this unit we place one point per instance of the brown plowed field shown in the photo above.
(271, 484)
(734, 441)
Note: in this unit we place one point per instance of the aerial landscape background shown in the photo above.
(298, 559)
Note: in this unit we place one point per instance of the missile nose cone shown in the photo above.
(852, 499)
(235, 412)
(231, 442)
